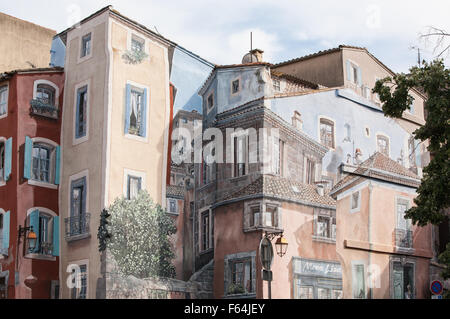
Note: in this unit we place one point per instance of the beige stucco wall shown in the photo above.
(23, 42)
(87, 155)
(143, 155)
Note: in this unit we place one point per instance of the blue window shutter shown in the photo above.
(57, 164)
(359, 77)
(143, 131)
(34, 222)
(8, 158)
(27, 158)
(55, 250)
(349, 71)
(6, 226)
(418, 155)
(127, 108)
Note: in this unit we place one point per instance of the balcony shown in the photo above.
(40, 108)
(77, 227)
(403, 238)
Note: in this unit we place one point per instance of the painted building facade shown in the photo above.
(31, 103)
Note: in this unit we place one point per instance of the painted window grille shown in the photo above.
(133, 186)
(45, 94)
(383, 145)
(41, 162)
(327, 133)
(81, 112)
(205, 230)
(80, 292)
(241, 277)
(3, 100)
(276, 85)
(359, 290)
(325, 224)
(46, 228)
(403, 282)
(86, 44)
(310, 172)
(137, 44)
(235, 86)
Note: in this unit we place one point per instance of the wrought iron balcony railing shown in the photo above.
(42, 109)
(46, 249)
(403, 238)
(77, 227)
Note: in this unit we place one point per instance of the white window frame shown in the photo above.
(129, 172)
(354, 65)
(52, 170)
(7, 100)
(408, 222)
(358, 207)
(382, 134)
(80, 263)
(323, 117)
(169, 200)
(147, 113)
(80, 46)
(53, 85)
(75, 140)
(130, 35)
(37, 255)
(73, 178)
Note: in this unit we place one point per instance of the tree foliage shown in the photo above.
(139, 240)
(433, 79)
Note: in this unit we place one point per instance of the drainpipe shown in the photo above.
(370, 235)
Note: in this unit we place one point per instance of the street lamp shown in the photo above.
(281, 246)
(31, 237)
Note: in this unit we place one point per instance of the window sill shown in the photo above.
(40, 257)
(406, 250)
(42, 184)
(2, 183)
(3, 116)
(324, 239)
(80, 140)
(261, 228)
(84, 58)
(78, 237)
(136, 138)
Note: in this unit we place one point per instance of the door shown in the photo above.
(398, 282)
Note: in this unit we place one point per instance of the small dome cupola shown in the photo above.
(253, 56)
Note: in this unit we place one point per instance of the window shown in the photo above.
(210, 101)
(241, 277)
(255, 216)
(310, 171)
(78, 197)
(323, 293)
(136, 111)
(276, 85)
(240, 152)
(81, 112)
(403, 283)
(86, 45)
(46, 227)
(359, 290)
(367, 92)
(270, 217)
(325, 227)
(137, 44)
(45, 94)
(133, 186)
(305, 292)
(205, 230)
(184, 120)
(297, 120)
(327, 133)
(1, 230)
(235, 86)
(80, 292)
(383, 144)
(173, 206)
(355, 201)
(3, 100)
(41, 162)
(261, 215)
(277, 157)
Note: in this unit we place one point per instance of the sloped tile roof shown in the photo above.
(283, 188)
(175, 191)
(380, 166)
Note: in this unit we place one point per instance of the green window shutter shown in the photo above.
(6, 226)
(143, 131)
(55, 250)
(27, 158)
(127, 108)
(8, 158)
(57, 165)
(359, 77)
(349, 71)
(34, 222)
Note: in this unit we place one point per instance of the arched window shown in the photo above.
(327, 132)
(45, 94)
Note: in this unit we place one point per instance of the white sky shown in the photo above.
(284, 29)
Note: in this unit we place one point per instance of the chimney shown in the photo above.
(297, 121)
